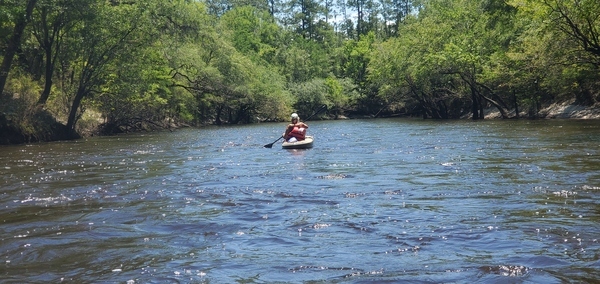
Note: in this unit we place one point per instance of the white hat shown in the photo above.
(295, 115)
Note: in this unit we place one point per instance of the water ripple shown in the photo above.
(432, 202)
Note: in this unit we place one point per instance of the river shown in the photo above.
(382, 200)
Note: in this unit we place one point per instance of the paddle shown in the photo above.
(270, 145)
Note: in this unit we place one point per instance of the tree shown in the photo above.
(443, 58)
(309, 95)
(579, 20)
(252, 32)
(393, 13)
(139, 90)
(227, 75)
(22, 19)
(106, 32)
(548, 62)
(340, 94)
(303, 15)
(53, 21)
(356, 56)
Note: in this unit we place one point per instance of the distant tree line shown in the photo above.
(122, 64)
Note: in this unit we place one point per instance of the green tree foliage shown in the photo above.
(469, 43)
(228, 85)
(447, 56)
(356, 59)
(252, 32)
(303, 16)
(136, 63)
(302, 60)
(340, 95)
(54, 20)
(547, 62)
(105, 34)
(577, 55)
(580, 21)
(21, 12)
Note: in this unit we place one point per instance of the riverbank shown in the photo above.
(45, 128)
(570, 110)
(564, 110)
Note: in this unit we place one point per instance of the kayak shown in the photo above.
(304, 144)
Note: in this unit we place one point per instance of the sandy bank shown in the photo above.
(564, 110)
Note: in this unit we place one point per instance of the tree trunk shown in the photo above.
(75, 108)
(474, 104)
(516, 105)
(48, 39)
(14, 43)
(218, 116)
(47, 76)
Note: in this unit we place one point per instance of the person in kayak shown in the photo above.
(295, 131)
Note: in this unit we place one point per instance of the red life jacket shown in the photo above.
(298, 132)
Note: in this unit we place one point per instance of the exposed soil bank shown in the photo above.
(564, 110)
(568, 110)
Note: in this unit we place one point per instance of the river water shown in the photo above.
(386, 200)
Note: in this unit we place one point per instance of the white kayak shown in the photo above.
(304, 144)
